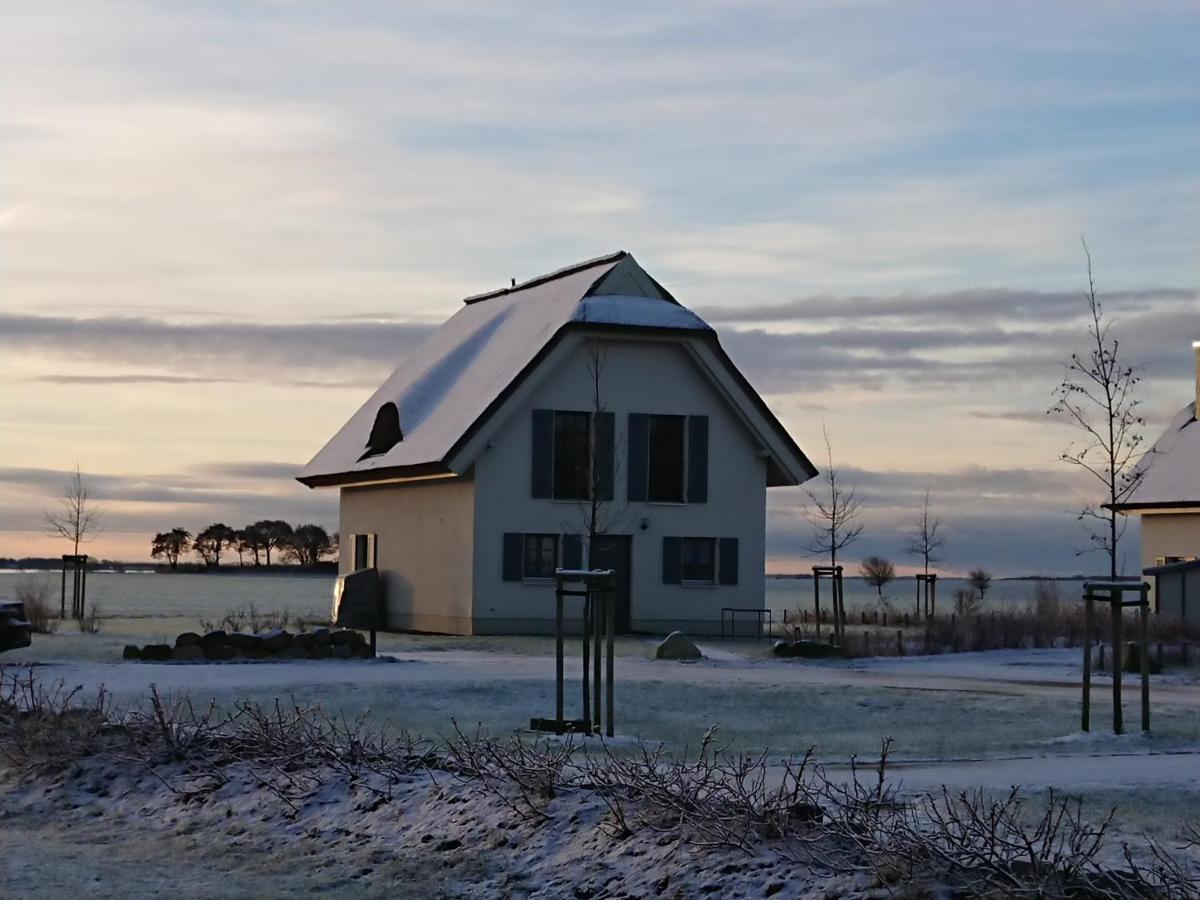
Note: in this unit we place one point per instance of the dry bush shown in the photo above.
(90, 623)
(249, 617)
(33, 594)
(973, 844)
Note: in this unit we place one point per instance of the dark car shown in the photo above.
(15, 631)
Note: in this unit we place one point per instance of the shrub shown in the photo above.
(90, 623)
(34, 593)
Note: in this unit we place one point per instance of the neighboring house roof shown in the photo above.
(1170, 469)
(447, 388)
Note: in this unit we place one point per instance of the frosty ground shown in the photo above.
(989, 720)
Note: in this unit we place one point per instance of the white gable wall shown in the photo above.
(643, 377)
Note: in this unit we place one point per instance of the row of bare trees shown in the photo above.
(304, 545)
(1098, 396)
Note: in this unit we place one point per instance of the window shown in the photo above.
(363, 552)
(541, 555)
(666, 466)
(698, 560)
(572, 456)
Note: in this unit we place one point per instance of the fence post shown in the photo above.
(899, 642)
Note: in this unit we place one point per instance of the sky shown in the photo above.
(223, 224)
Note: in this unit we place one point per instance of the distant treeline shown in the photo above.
(54, 563)
(304, 545)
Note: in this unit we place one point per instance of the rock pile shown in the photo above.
(806, 649)
(218, 646)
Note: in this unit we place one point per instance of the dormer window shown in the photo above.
(385, 433)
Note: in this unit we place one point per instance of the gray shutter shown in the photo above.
(572, 551)
(697, 459)
(543, 453)
(604, 455)
(672, 560)
(639, 456)
(514, 556)
(727, 565)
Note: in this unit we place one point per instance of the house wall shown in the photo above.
(423, 552)
(1169, 534)
(637, 377)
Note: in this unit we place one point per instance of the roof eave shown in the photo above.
(386, 474)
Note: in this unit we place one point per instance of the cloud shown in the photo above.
(206, 351)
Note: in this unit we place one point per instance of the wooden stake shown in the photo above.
(1087, 663)
(558, 657)
(608, 675)
(1144, 615)
(1118, 662)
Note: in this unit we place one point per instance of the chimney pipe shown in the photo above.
(1196, 408)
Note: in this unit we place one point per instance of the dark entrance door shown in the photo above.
(613, 551)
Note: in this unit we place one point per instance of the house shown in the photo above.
(1168, 501)
(468, 477)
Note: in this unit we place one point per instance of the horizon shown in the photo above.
(223, 228)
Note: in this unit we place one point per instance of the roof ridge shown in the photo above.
(550, 276)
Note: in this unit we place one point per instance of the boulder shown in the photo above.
(322, 651)
(347, 638)
(219, 652)
(188, 639)
(341, 651)
(275, 640)
(677, 646)
(131, 651)
(188, 653)
(362, 651)
(322, 637)
(303, 639)
(806, 649)
(295, 651)
(156, 652)
(246, 644)
(213, 638)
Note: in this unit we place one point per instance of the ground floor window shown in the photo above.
(541, 555)
(698, 559)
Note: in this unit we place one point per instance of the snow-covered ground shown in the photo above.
(964, 721)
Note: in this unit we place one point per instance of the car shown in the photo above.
(15, 630)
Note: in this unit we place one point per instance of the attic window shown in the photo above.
(385, 433)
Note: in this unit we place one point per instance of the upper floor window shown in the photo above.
(666, 459)
(572, 455)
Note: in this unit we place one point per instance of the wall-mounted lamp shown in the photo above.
(645, 524)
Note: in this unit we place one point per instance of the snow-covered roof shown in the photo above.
(1171, 468)
(456, 377)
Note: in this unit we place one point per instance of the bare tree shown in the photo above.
(1098, 396)
(600, 513)
(834, 516)
(878, 573)
(980, 581)
(78, 518)
(926, 539)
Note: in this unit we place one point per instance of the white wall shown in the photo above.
(637, 377)
(426, 539)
